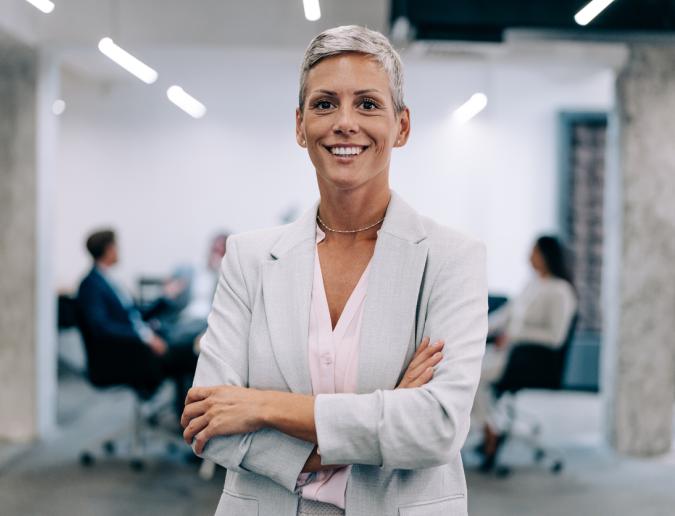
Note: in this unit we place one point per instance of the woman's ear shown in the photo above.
(403, 128)
(300, 128)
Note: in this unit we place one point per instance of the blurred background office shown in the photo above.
(529, 118)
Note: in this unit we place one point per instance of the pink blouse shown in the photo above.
(333, 366)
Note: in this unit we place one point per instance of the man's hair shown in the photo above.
(355, 39)
(98, 242)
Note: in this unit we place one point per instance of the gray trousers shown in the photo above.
(313, 508)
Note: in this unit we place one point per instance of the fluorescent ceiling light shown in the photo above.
(186, 102)
(312, 9)
(127, 61)
(592, 9)
(58, 107)
(470, 108)
(44, 5)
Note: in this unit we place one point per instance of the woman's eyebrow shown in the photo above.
(326, 92)
(358, 92)
(364, 92)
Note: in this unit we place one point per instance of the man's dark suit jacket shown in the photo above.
(115, 352)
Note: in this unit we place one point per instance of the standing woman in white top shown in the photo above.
(317, 325)
(541, 314)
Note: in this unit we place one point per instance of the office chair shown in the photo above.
(147, 410)
(519, 375)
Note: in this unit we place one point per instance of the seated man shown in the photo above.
(122, 348)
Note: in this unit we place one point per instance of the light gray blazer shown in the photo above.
(425, 279)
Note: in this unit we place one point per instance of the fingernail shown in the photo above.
(437, 355)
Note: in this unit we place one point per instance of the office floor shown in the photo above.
(47, 480)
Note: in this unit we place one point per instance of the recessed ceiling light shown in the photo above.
(592, 9)
(130, 63)
(44, 5)
(58, 107)
(470, 108)
(312, 9)
(185, 101)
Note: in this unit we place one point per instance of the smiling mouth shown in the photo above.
(340, 151)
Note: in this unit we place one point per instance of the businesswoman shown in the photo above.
(541, 314)
(317, 326)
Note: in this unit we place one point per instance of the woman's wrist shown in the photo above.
(268, 414)
(290, 413)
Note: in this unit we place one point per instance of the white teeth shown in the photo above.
(346, 151)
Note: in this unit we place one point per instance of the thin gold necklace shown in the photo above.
(322, 223)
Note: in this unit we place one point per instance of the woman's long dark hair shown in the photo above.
(555, 256)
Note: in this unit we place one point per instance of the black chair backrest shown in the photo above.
(495, 302)
(89, 343)
(566, 346)
(535, 366)
(66, 311)
(108, 362)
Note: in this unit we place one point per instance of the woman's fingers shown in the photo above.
(201, 439)
(421, 353)
(420, 363)
(424, 359)
(431, 361)
(198, 394)
(424, 345)
(195, 426)
(423, 378)
(192, 411)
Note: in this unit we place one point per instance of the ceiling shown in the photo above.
(488, 20)
(165, 23)
(169, 29)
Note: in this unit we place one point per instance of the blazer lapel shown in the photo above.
(287, 288)
(390, 309)
(389, 316)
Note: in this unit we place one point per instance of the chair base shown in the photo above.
(523, 427)
(146, 437)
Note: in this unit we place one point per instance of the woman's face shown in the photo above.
(538, 262)
(349, 124)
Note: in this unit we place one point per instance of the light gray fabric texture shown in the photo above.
(425, 280)
(312, 508)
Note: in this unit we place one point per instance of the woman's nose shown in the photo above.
(346, 121)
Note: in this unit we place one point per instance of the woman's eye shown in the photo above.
(368, 105)
(323, 104)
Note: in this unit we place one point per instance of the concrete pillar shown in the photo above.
(27, 329)
(639, 296)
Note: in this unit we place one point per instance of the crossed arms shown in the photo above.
(275, 434)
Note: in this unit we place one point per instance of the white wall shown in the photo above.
(130, 159)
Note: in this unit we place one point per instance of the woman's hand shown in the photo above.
(501, 341)
(220, 410)
(421, 368)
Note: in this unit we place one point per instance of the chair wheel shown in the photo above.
(109, 447)
(557, 467)
(539, 455)
(86, 459)
(137, 465)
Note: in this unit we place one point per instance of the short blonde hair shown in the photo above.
(352, 38)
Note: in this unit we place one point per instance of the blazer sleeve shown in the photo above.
(223, 360)
(426, 426)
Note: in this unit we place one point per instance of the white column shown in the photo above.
(639, 296)
(27, 308)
